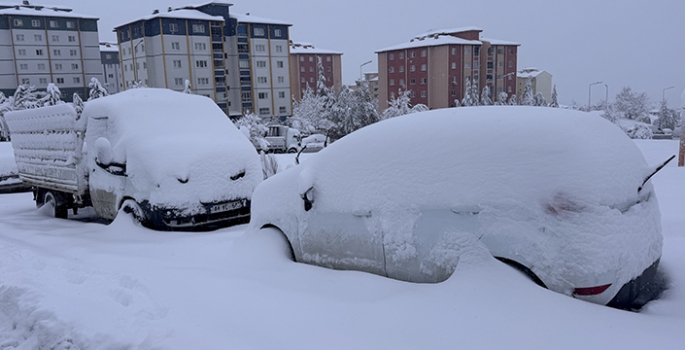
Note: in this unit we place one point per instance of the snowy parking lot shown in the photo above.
(76, 284)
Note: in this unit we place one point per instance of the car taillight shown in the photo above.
(591, 290)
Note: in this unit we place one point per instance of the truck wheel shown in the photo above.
(58, 211)
(131, 207)
(292, 150)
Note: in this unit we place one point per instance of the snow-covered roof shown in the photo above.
(450, 31)
(307, 48)
(46, 12)
(500, 42)
(109, 47)
(431, 41)
(178, 14)
(529, 73)
(208, 3)
(255, 19)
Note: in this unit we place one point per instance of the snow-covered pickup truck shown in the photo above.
(173, 160)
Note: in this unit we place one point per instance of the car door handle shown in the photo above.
(362, 213)
(466, 209)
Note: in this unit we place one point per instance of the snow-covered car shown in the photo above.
(560, 194)
(314, 143)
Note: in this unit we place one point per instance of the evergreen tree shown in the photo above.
(254, 129)
(96, 89)
(539, 100)
(554, 103)
(52, 97)
(668, 119)
(6, 105)
(474, 93)
(467, 101)
(632, 106)
(513, 100)
(528, 99)
(77, 102)
(485, 97)
(501, 99)
(187, 89)
(25, 97)
(402, 105)
(310, 114)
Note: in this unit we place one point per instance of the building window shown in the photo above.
(200, 46)
(177, 63)
(173, 27)
(311, 80)
(261, 64)
(454, 51)
(423, 94)
(391, 70)
(202, 81)
(259, 31)
(37, 37)
(311, 69)
(423, 53)
(39, 52)
(281, 94)
(201, 64)
(198, 28)
(391, 56)
(401, 55)
(412, 81)
(279, 48)
(301, 58)
(412, 94)
(488, 77)
(511, 64)
(20, 37)
(73, 52)
(499, 76)
(260, 48)
(311, 59)
(41, 66)
(244, 64)
(454, 93)
(279, 64)
(74, 66)
(476, 65)
(282, 110)
(412, 68)
(21, 52)
(54, 24)
(278, 33)
(412, 54)
(490, 65)
(303, 69)
(18, 22)
(423, 81)
(178, 81)
(77, 80)
(281, 79)
(328, 58)
(264, 111)
(402, 83)
(246, 96)
(70, 24)
(454, 65)
(43, 81)
(476, 77)
(454, 80)
(423, 67)
(467, 50)
(302, 80)
(56, 52)
(263, 95)
(392, 82)
(509, 89)
(476, 50)
(35, 23)
(329, 69)
(500, 64)
(500, 51)
(55, 38)
(175, 45)
(261, 80)
(25, 81)
(401, 69)
(58, 66)
(490, 51)
(24, 66)
(60, 80)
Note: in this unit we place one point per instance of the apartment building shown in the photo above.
(541, 81)
(44, 44)
(304, 69)
(111, 67)
(239, 61)
(435, 65)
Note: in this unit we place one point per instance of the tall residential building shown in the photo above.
(241, 62)
(541, 82)
(304, 58)
(435, 65)
(111, 68)
(44, 44)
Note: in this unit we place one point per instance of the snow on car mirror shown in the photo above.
(103, 152)
(308, 198)
(656, 170)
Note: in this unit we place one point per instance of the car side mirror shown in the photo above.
(308, 198)
(103, 152)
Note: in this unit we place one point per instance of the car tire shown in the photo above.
(131, 207)
(57, 210)
(292, 150)
(280, 239)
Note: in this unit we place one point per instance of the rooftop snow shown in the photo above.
(525, 73)
(109, 47)
(500, 42)
(449, 31)
(45, 12)
(306, 48)
(254, 19)
(179, 14)
(439, 41)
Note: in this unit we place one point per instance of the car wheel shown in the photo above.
(523, 269)
(133, 208)
(56, 210)
(281, 242)
(292, 150)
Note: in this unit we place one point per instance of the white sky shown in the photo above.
(620, 42)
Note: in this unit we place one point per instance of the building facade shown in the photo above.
(304, 70)
(40, 45)
(111, 67)
(435, 65)
(241, 62)
(541, 82)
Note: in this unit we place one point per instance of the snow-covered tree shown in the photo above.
(309, 113)
(485, 99)
(26, 97)
(632, 105)
(269, 164)
(539, 100)
(254, 129)
(77, 102)
(668, 118)
(187, 89)
(554, 103)
(528, 99)
(513, 101)
(402, 105)
(366, 106)
(467, 101)
(639, 131)
(610, 114)
(52, 97)
(138, 84)
(474, 93)
(96, 89)
(5, 106)
(501, 99)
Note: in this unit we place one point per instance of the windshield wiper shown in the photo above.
(654, 172)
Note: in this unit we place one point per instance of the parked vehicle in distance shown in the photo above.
(282, 139)
(314, 143)
(560, 194)
(173, 160)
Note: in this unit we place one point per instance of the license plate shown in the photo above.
(218, 208)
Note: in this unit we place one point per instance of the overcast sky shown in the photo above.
(634, 43)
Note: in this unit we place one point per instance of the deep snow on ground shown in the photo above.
(80, 284)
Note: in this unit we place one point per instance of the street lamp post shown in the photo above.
(606, 99)
(361, 76)
(589, 98)
(663, 93)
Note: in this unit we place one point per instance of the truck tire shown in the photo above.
(292, 150)
(59, 210)
(130, 206)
